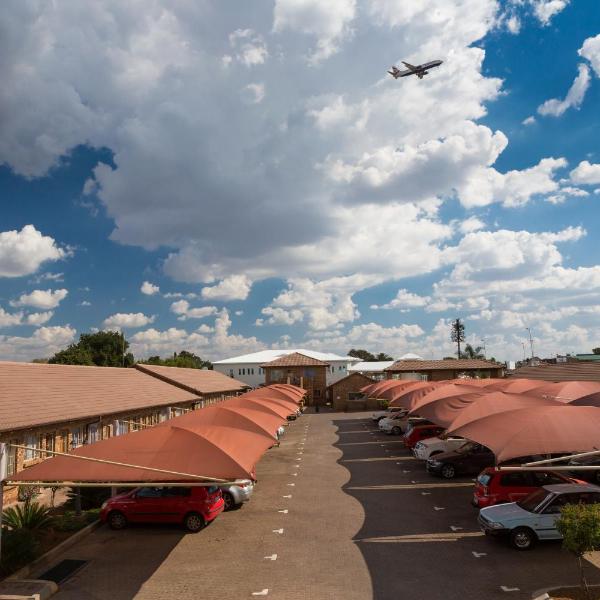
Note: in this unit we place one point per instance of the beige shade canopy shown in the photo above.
(568, 391)
(407, 397)
(271, 392)
(259, 404)
(381, 386)
(441, 404)
(483, 382)
(392, 392)
(369, 388)
(536, 430)
(289, 406)
(515, 386)
(294, 391)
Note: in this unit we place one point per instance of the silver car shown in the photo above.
(534, 517)
(235, 494)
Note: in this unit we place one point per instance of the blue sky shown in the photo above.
(274, 187)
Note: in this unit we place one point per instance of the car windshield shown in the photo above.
(484, 478)
(531, 502)
(468, 447)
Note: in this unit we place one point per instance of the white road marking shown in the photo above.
(455, 528)
(405, 471)
(295, 474)
(279, 531)
(296, 466)
(264, 592)
(438, 508)
(425, 493)
(284, 511)
(507, 589)
(272, 557)
(478, 554)
(291, 484)
(298, 459)
(288, 496)
(413, 481)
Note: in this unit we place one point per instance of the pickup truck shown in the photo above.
(436, 445)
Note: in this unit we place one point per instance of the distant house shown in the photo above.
(438, 370)
(301, 370)
(345, 393)
(247, 367)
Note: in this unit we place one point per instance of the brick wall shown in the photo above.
(339, 391)
(312, 379)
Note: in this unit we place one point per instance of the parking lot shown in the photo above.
(340, 511)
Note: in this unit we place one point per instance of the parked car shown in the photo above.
(495, 487)
(193, 507)
(235, 494)
(470, 458)
(592, 475)
(534, 517)
(427, 448)
(420, 432)
(398, 424)
(388, 412)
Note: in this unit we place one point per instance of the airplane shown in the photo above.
(419, 70)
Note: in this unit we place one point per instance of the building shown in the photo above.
(588, 357)
(61, 407)
(247, 368)
(301, 370)
(374, 370)
(438, 370)
(568, 371)
(345, 393)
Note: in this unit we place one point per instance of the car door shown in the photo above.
(544, 523)
(175, 503)
(515, 485)
(147, 505)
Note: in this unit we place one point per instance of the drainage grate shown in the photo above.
(63, 570)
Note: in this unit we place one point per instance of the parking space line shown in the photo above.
(288, 496)
(438, 508)
(291, 484)
(272, 557)
(478, 554)
(284, 511)
(279, 531)
(421, 537)
(409, 486)
(264, 592)
(505, 588)
(374, 442)
(377, 458)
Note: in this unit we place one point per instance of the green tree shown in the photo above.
(184, 359)
(596, 350)
(362, 354)
(383, 356)
(457, 334)
(473, 353)
(579, 525)
(102, 349)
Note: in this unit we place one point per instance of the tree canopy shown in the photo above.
(596, 350)
(184, 359)
(366, 356)
(102, 349)
(472, 352)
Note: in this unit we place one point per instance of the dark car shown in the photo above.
(471, 458)
(592, 475)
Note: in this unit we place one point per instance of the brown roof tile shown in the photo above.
(296, 360)
(365, 379)
(572, 371)
(198, 381)
(443, 365)
(39, 394)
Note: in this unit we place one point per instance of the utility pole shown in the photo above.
(524, 356)
(530, 340)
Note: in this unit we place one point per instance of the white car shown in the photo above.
(397, 424)
(388, 412)
(425, 449)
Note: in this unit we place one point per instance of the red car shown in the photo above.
(193, 507)
(420, 432)
(495, 487)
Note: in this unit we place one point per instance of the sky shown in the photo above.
(227, 177)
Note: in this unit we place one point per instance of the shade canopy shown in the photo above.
(441, 404)
(407, 397)
(536, 430)
(392, 392)
(220, 450)
(483, 382)
(271, 392)
(568, 391)
(381, 386)
(515, 386)
(491, 403)
(369, 388)
(261, 405)
(288, 405)
(293, 390)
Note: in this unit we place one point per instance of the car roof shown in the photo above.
(564, 488)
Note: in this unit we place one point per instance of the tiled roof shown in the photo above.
(265, 356)
(371, 367)
(364, 378)
(443, 365)
(38, 394)
(572, 371)
(296, 360)
(197, 381)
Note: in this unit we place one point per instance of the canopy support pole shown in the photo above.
(561, 458)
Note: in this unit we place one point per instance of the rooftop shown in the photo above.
(570, 371)
(296, 360)
(372, 367)
(38, 394)
(265, 356)
(196, 381)
(443, 365)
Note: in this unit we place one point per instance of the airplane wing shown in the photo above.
(411, 67)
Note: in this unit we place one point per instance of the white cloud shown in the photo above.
(234, 287)
(328, 21)
(404, 301)
(85, 303)
(183, 309)
(23, 252)
(43, 343)
(544, 10)
(586, 173)
(574, 98)
(591, 51)
(39, 318)
(10, 319)
(280, 316)
(529, 120)
(43, 299)
(250, 47)
(564, 193)
(254, 93)
(513, 24)
(471, 224)
(149, 288)
(124, 320)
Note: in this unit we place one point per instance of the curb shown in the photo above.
(544, 593)
(46, 559)
(27, 589)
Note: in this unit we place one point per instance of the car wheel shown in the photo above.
(229, 501)
(448, 471)
(522, 538)
(194, 522)
(117, 520)
(396, 431)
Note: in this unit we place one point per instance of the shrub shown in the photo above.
(31, 515)
(91, 497)
(69, 521)
(579, 524)
(19, 547)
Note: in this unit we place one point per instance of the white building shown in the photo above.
(247, 367)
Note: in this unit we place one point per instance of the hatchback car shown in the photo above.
(193, 507)
(470, 458)
(388, 412)
(420, 432)
(534, 517)
(437, 445)
(398, 424)
(235, 494)
(495, 487)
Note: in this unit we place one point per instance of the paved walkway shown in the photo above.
(305, 553)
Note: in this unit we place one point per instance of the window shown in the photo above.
(230, 372)
(317, 393)
(93, 433)
(309, 373)
(515, 479)
(76, 437)
(11, 458)
(165, 414)
(33, 442)
(149, 492)
(176, 492)
(47, 443)
(120, 427)
(239, 371)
